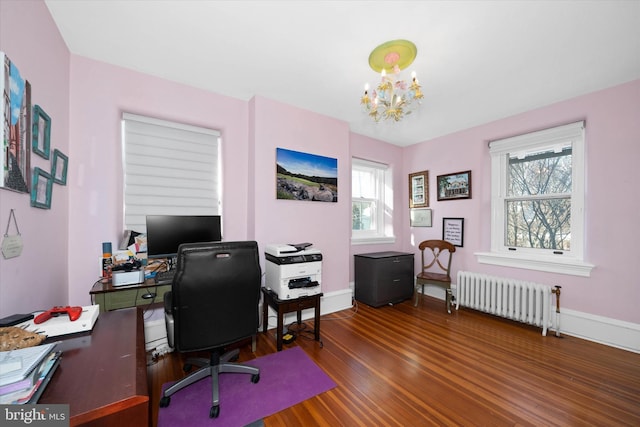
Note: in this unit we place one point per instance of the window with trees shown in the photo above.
(537, 204)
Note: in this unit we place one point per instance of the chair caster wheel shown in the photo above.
(255, 378)
(187, 367)
(214, 412)
(164, 401)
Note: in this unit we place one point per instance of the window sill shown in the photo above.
(571, 267)
(372, 240)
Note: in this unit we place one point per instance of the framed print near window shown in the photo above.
(454, 186)
(41, 189)
(419, 190)
(59, 167)
(420, 217)
(41, 132)
(453, 231)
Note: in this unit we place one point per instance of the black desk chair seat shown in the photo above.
(213, 303)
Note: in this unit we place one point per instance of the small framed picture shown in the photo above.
(421, 217)
(59, 167)
(42, 183)
(453, 231)
(419, 190)
(454, 186)
(41, 132)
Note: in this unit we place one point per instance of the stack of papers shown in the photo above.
(24, 373)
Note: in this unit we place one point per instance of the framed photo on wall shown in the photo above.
(421, 217)
(59, 167)
(305, 176)
(454, 186)
(15, 133)
(41, 191)
(41, 132)
(419, 190)
(453, 231)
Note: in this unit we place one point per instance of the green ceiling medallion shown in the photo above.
(392, 53)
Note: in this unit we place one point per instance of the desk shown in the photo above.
(286, 306)
(103, 375)
(111, 297)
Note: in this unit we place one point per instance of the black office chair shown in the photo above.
(213, 303)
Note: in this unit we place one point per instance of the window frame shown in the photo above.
(384, 203)
(567, 262)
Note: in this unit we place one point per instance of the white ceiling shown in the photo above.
(477, 61)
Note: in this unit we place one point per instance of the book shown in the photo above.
(16, 365)
(34, 385)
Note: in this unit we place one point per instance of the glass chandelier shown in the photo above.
(393, 98)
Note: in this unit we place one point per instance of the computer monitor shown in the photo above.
(166, 232)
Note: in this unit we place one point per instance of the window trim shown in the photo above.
(570, 262)
(384, 231)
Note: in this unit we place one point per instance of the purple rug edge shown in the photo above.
(286, 378)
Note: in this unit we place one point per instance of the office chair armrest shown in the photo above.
(168, 303)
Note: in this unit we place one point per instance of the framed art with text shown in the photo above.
(454, 186)
(453, 231)
(419, 190)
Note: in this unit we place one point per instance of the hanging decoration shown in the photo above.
(12, 245)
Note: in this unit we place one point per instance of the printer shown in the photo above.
(293, 271)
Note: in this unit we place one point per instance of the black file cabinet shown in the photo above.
(383, 277)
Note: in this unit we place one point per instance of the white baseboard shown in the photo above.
(603, 330)
(591, 327)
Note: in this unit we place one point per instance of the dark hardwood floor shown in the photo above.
(406, 366)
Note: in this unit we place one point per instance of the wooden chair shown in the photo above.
(435, 270)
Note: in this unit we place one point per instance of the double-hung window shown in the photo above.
(537, 201)
(371, 202)
(169, 169)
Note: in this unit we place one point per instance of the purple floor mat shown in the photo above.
(286, 378)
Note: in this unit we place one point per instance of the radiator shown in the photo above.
(518, 300)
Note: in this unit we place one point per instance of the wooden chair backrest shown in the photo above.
(431, 250)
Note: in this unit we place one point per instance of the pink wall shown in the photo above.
(612, 201)
(326, 225)
(100, 93)
(37, 279)
(86, 98)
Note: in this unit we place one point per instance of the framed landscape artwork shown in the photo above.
(304, 176)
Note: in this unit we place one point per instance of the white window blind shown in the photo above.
(169, 169)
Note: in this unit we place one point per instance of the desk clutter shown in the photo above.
(25, 372)
(27, 362)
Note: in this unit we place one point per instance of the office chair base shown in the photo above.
(218, 365)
